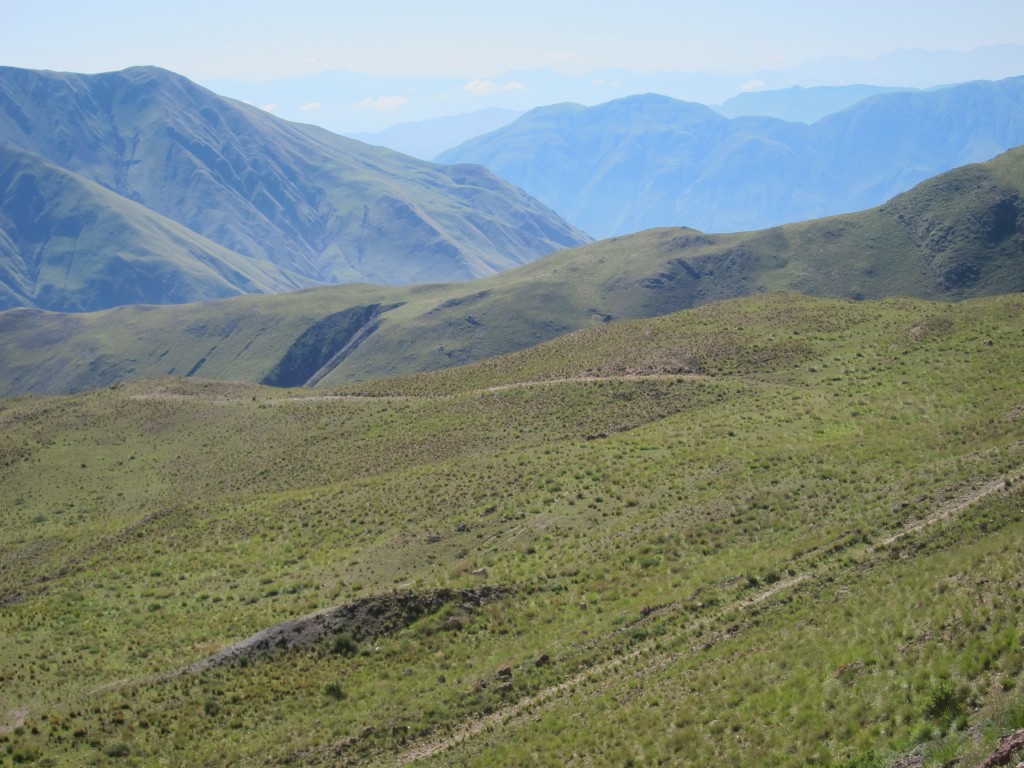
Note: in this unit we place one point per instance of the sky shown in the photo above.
(256, 40)
(430, 58)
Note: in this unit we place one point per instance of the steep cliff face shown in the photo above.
(323, 346)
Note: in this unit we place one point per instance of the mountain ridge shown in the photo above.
(683, 164)
(797, 104)
(56, 254)
(344, 99)
(319, 205)
(958, 235)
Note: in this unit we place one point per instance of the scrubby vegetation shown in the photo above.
(957, 236)
(772, 531)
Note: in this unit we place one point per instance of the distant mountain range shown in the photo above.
(347, 102)
(426, 138)
(141, 187)
(956, 236)
(800, 105)
(650, 160)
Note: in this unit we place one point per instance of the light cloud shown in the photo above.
(310, 106)
(383, 103)
(483, 87)
(753, 85)
(561, 58)
(269, 107)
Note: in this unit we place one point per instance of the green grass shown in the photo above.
(636, 484)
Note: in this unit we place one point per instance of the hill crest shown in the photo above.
(956, 236)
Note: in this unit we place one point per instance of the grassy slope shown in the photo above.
(955, 236)
(72, 245)
(774, 442)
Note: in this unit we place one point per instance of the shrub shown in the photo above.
(117, 750)
(344, 644)
(946, 702)
(333, 691)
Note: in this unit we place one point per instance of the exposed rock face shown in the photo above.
(365, 618)
(323, 345)
(1010, 745)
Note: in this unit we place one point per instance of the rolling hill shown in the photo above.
(956, 236)
(649, 161)
(301, 203)
(774, 531)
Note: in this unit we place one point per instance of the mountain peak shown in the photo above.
(291, 197)
(648, 160)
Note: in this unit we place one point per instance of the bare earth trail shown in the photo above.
(517, 711)
(296, 399)
(12, 720)
(596, 379)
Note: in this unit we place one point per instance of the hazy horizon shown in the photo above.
(353, 67)
(264, 41)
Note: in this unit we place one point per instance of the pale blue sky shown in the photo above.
(255, 40)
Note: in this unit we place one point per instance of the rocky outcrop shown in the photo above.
(362, 619)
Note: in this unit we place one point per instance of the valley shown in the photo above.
(955, 236)
(313, 453)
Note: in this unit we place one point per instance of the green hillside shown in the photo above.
(775, 531)
(958, 235)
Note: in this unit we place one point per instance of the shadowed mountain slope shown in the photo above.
(312, 203)
(69, 244)
(958, 235)
(646, 161)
